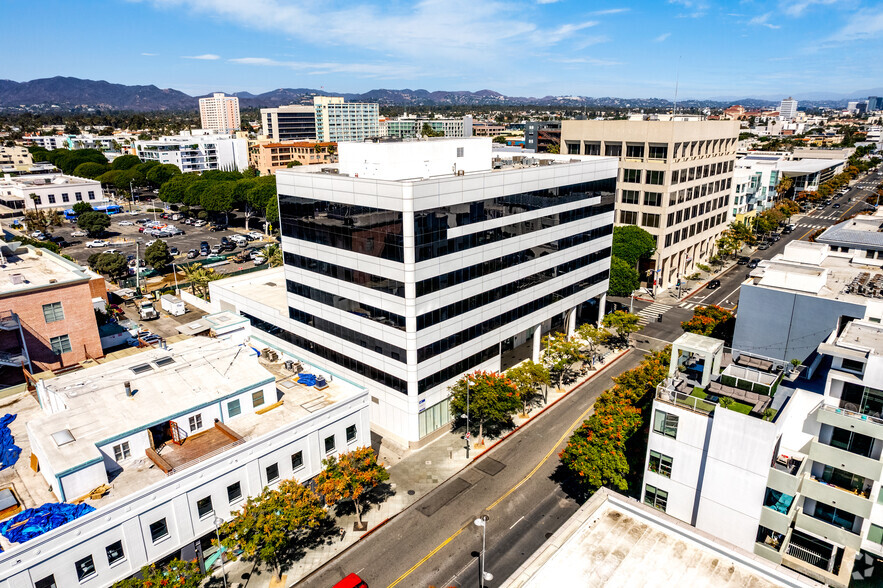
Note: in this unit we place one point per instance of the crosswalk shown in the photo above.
(650, 313)
(813, 226)
(688, 305)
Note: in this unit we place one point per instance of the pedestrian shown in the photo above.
(342, 533)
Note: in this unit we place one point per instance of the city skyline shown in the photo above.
(543, 47)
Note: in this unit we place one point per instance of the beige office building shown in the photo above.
(220, 113)
(674, 181)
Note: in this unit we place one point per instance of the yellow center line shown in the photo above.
(561, 439)
(805, 234)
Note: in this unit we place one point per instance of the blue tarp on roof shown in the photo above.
(36, 521)
(9, 451)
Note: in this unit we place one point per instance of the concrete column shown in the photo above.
(602, 305)
(537, 340)
(571, 321)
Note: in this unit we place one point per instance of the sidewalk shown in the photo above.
(670, 297)
(417, 473)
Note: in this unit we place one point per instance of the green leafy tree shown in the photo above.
(561, 353)
(113, 265)
(81, 207)
(624, 278)
(593, 337)
(274, 527)
(711, 321)
(94, 222)
(175, 574)
(218, 197)
(631, 243)
(158, 175)
(528, 378)
(350, 476)
(157, 255)
(623, 323)
(109, 177)
(174, 189)
(493, 400)
(90, 170)
(124, 162)
(428, 131)
(293, 163)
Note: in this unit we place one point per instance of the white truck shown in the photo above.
(172, 305)
(147, 311)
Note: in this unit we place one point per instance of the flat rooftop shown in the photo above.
(864, 229)
(36, 181)
(200, 373)
(31, 268)
(863, 336)
(614, 541)
(812, 268)
(265, 287)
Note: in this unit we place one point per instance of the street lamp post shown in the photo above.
(483, 576)
(132, 193)
(218, 522)
(466, 436)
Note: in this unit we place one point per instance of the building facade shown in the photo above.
(48, 142)
(47, 319)
(270, 157)
(220, 113)
(15, 155)
(420, 260)
(338, 121)
(197, 151)
(675, 182)
(410, 127)
(47, 191)
(169, 509)
(289, 123)
(788, 109)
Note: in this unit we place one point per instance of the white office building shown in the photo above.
(289, 123)
(339, 121)
(413, 262)
(220, 113)
(197, 151)
(53, 190)
(788, 109)
(172, 438)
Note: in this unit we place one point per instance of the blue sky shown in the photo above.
(518, 47)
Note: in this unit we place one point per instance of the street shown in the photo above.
(435, 543)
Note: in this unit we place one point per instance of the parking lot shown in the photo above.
(124, 237)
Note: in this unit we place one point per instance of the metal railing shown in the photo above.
(667, 393)
(850, 413)
(811, 557)
(8, 320)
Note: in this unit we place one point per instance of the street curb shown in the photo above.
(482, 454)
(548, 406)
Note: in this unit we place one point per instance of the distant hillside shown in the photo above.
(67, 93)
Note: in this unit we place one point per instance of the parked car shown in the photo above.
(112, 251)
(151, 242)
(836, 205)
(216, 249)
(713, 285)
(203, 245)
(763, 246)
(786, 231)
(97, 243)
(174, 251)
(79, 234)
(351, 581)
(126, 223)
(743, 260)
(259, 259)
(255, 236)
(240, 240)
(199, 223)
(215, 228)
(753, 263)
(38, 235)
(192, 254)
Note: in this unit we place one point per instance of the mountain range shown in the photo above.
(75, 94)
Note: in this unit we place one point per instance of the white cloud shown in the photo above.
(150, 54)
(798, 7)
(762, 21)
(204, 57)
(662, 37)
(696, 8)
(547, 1)
(861, 26)
(569, 29)
(609, 11)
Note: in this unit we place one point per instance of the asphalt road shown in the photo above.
(435, 543)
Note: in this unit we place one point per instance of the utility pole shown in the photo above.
(468, 440)
(137, 266)
(132, 193)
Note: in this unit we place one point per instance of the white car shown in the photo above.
(125, 223)
(37, 235)
(97, 243)
(79, 234)
(255, 236)
(113, 251)
(151, 242)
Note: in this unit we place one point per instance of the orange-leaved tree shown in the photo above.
(711, 321)
(350, 476)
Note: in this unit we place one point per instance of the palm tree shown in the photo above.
(274, 255)
(199, 278)
(34, 197)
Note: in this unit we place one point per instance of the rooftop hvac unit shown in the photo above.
(17, 279)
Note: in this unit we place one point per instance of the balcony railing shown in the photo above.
(667, 393)
(851, 413)
(9, 321)
(809, 556)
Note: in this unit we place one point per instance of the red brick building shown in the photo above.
(47, 319)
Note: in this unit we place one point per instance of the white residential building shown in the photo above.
(339, 121)
(48, 142)
(16, 156)
(197, 151)
(121, 142)
(788, 109)
(131, 419)
(416, 261)
(51, 191)
(220, 113)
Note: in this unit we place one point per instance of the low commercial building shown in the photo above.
(197, 151)
(860, 238)
(409, 263)
(47, 321)
(614, 541)
(16, 156)
(487, 129)
(269, 157)
(45, 191)
(166, 444)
